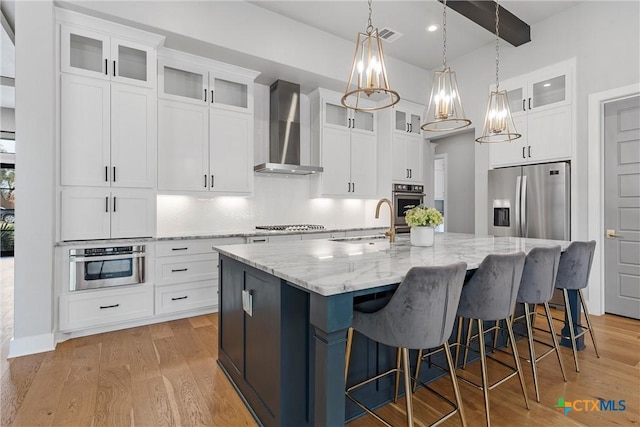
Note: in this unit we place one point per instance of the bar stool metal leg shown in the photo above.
(395, 396)
(572, 332)
(554, 338)
(483, 365)
(586, 316)
(468, 343)
(532, 351)
(517, 360)
(407, 386)
(458, 338)
(454, 382)
(347, 355)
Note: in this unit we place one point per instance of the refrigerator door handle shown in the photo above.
(523, 208)
(517, 208)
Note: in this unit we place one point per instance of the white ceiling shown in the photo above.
(345, 18)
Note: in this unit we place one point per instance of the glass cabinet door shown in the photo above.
(516, 99)
(232, 94)
(133, 63)
(414, 124)
(548, 91)
(85, 52)
(336, 115)
(364, 120)
(402, 124)
(183, 83)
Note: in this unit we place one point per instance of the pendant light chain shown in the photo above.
(497, 45)
(444, 34)
(369, 24)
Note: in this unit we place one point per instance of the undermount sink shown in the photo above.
(361, 239)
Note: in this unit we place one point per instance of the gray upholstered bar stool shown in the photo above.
(490, 295)
(536, 287)
(420, 314)
(573, 274)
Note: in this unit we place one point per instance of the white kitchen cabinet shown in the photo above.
(200, 81)
(108, 134)
(88, 309)
(406, 155)
(205, 128)
(344, 143)
(541, 104)
(93, 213)
(187, 274)
(108, 57)
(407, 119)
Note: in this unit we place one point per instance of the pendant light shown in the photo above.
(498, 123)
(445, 110)
(369, 74)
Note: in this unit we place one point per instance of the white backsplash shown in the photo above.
(277, 199)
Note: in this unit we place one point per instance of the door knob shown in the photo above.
(612, 234)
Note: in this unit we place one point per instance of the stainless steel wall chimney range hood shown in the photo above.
(284, 132)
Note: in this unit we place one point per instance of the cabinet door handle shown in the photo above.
(205, 95)
(353, 187)
(106, 204)
(523, 156)
(114, 203)
(114, 68)
(259, 241)
(106, 67)
(179, 298)
(529, 150)
(176, 270)
(529, 103)
(102, 307)
(524, 106)
(212, 96)
(106, 174)
(205, 181)
(179, 249)
(114, 174)
(213, 181)
(410, 173)
(411, 127)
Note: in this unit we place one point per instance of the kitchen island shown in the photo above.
(285, 309)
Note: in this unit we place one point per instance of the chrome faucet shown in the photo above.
(392, 231)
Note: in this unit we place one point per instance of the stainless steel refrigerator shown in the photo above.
(531, 201)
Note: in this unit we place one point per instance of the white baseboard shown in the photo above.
(31, 345)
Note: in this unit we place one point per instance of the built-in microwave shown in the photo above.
(93, 268)
(405, 197)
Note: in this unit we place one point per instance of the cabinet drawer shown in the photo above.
(96, 308)
(186, 269)
(186, 296)
(193, 247)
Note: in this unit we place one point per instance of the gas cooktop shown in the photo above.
(292, 227)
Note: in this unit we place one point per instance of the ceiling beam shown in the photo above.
(483, 13)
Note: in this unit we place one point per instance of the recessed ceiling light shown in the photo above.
(546, 85)
(431, 28)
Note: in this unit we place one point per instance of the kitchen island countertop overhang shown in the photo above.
(328, 267)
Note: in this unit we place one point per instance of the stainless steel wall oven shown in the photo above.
(93, 268)
(405, 197)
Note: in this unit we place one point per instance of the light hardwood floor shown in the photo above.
(166, 374)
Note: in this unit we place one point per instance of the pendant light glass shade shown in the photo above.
(445, 110)
(368, 74)
(498, 123)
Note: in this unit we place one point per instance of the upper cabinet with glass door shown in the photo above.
(200, 81)
(539, 91)
(337, 115)
(106, 56)
(407, 117)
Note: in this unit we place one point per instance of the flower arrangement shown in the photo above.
(422, 216)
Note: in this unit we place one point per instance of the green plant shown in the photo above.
(6, 237)
(422, 216)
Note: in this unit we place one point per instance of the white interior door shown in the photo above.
(622, 207)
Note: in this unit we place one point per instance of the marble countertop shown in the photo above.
(329, 267)
(216, 235)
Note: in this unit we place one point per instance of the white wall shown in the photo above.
(603, 36)
(35, 123)
(460, 180)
